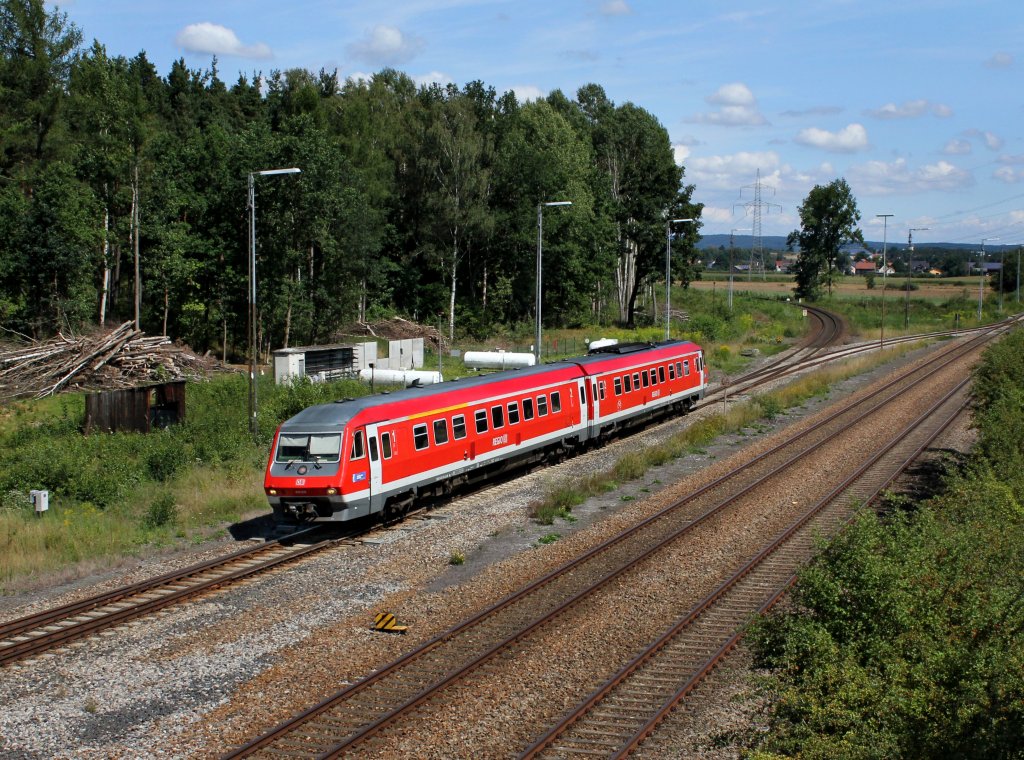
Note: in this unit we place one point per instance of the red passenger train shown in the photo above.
(380, 453)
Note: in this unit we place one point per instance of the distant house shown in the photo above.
(864, 268)
(917, 265)
(782, 265)
(988, 267)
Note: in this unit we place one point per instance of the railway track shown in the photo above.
(38, 633)
(820, 349)
(34, 634)
(392, 697)
(628, 709)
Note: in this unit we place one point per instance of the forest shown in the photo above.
(124, 195)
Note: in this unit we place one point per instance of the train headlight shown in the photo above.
(272, 492)
(332, 491)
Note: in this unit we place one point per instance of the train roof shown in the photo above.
(336, 414)
(610, 357)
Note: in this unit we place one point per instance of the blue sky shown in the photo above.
(918, 104)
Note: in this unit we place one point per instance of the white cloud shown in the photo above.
(615, 8)
(434, 77)
(359, 76)
(681, 152)
(733, 94)
(910, 109)
(737, 107)
(957, 147)
(734, 171)
(991, 139)
(849, 139)
(717, 215)
(1000, 60)
(897, 177)
(215, 39)
(527, 92)
(1009, 175)
(385, 45)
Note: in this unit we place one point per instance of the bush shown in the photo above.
(166, 455)
(162, 510)
(905, 636)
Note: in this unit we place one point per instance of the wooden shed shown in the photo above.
(137, 410)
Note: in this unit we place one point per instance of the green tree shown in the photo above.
(828, 220)
(457, 173)
(36, 53)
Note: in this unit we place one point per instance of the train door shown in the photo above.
(376, 474)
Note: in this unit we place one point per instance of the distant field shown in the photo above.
(930, 289)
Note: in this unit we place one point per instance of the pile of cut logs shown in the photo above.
(122, 358)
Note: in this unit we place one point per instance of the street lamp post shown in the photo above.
(540, 227)
(981, 277)
(885, 269)
(253, 425)
(668, 272)
(731, 249)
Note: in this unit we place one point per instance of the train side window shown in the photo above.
(618, 386)
(481, 420)
(671, 371)
(373, 449)
(628, 382)
(686, 367)
(358, 450)
(497, 417)
(419, 437)
(556, 402)
(513, 413)
(542, 406)
(643, 378)
(679, 369)
(440, 431)
(527, 408)
(636, 381)
(601, 389)
(700, 362)
(661, 373)
(385, 445)
(459, 427)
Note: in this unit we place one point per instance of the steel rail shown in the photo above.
(294, 726)
(34, 634)
(558, 732)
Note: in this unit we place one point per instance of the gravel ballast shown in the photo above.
(204, 675)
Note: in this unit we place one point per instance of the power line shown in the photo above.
(757, 248)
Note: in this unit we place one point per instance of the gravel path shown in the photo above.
(201, 676)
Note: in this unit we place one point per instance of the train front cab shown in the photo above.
(318, 475)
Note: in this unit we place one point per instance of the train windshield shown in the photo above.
(309, 447)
